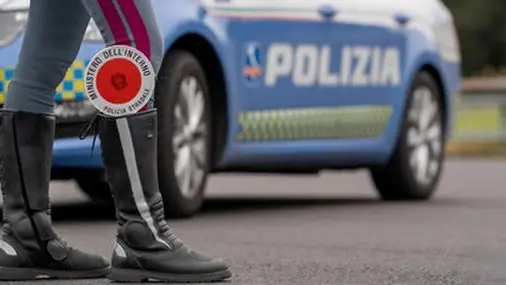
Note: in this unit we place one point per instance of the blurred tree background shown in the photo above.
(481, 26)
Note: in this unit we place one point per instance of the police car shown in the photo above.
(279, 86)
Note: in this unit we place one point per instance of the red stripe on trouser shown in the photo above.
(138, 29)
(115, 23)
(135, 23)
(137, 26)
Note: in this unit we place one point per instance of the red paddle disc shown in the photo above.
(119, 80)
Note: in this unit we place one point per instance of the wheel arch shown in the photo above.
(214, 71)
(436, 75)
(434, 72)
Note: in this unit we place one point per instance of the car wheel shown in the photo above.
(414, 170)
(94, 184)
(182, 100)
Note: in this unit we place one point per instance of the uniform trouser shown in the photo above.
(54, 34)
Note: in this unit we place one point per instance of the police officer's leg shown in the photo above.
(29, 247)
(146, 246)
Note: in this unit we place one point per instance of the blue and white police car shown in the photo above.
(278, 86)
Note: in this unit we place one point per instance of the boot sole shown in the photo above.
(132, 275)
(25, 274)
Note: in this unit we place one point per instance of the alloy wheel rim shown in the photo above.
(190, 136)
(424, 136)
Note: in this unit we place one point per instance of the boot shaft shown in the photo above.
(129, 151)
(26, 148)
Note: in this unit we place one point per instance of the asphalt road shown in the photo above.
(330, 229)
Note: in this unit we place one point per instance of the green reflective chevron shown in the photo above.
(313, 123)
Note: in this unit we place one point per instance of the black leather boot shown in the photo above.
(146, 247)
(29, 247)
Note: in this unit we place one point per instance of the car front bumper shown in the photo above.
(77, 153)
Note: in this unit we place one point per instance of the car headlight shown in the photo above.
(448, 42)
(445, 32)
(12, 22)
(93, 33)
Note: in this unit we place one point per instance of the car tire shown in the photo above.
(184, 142)
(414, 170)
(94, 184)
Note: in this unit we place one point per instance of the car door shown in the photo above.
(372, 41)
(277, 46)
